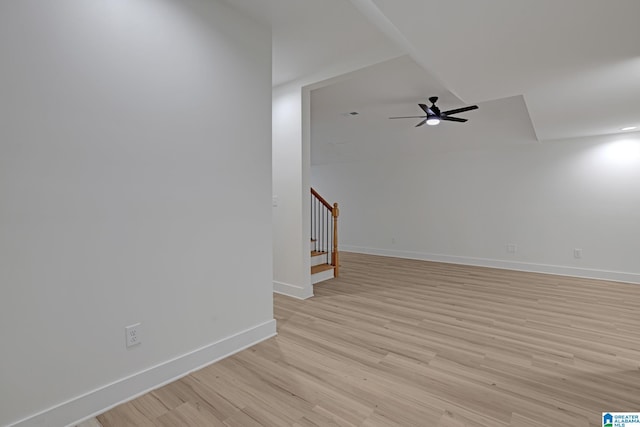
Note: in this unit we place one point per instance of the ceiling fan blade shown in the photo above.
(426, 109)
(453, 119)
(461, 110)
(409, 117)
(421, 123)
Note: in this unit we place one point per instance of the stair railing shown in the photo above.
(324, 228)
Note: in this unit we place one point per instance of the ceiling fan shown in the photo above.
(434, 115)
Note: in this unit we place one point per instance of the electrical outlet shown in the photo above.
(393, 240)
(512, 248)
(133, 334)
(577, 253)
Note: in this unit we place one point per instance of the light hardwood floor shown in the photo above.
(397, 342)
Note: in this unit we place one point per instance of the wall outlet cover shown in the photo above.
(133, 334)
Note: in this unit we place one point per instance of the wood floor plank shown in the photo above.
(396, 342)
(187, 415)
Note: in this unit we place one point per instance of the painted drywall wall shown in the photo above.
(291, 164)
(132, 189)
(291, 265)
(467, 206)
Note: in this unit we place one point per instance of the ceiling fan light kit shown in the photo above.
(433, 121)
(434, 116)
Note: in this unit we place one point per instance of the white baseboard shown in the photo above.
(104, 398)
(292, 290)
(616, 276)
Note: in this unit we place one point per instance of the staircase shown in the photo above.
(324, 239)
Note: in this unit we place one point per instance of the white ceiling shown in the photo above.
(398, 86)
(577, 62)
(309, 35)
(571, 68)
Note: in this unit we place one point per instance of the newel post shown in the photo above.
(335, 212)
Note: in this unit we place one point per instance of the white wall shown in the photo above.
(466, 206)
(135, 186)
(291, 163)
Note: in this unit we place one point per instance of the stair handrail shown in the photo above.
(321, 199)
(335, 213)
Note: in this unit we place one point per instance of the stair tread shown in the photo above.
(320, 268)
(317, 253)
